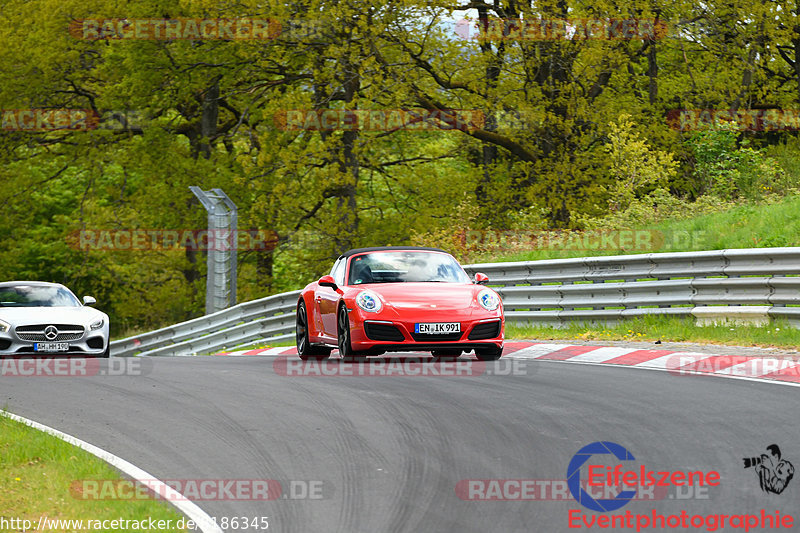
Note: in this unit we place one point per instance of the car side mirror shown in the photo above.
(89, 300)
(481, 278)
(327, 281)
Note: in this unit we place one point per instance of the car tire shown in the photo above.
(343, 337)
(492, 353)
(107, 353)
(305, 349)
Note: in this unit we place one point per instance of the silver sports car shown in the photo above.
(38, 318)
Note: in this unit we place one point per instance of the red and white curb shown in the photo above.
(262, 351)
(768, 369)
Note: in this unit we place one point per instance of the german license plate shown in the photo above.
(51, 347)
(437, 328)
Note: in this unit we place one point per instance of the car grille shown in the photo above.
(66, 332)
(425, 337)
(377, 331)
(485, 330)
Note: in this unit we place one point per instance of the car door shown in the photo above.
(327, 300)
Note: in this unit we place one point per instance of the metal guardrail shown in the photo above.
(761, 281)
(613, 288)
(271, 317)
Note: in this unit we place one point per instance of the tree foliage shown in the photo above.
(550, 148)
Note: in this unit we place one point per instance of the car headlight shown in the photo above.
(4, 326)
(98, 324)
(488, 299)
(369, 301)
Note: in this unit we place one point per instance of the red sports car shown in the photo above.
(399, 299)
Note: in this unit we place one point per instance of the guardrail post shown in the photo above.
(223, 241)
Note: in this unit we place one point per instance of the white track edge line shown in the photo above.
(188, 508)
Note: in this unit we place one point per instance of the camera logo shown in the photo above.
(774, 473)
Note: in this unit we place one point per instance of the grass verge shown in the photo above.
(747, 226)
(37, 473)
(261, 345)
(666, 329)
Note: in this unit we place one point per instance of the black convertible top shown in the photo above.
(355, 251)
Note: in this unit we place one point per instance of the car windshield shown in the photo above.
(395, 267)
(37, 296)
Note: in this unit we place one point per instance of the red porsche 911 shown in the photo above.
(399, 299)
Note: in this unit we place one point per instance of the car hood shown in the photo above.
(441, 296)
(18, 316)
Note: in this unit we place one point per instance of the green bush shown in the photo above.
(731, 170)
(635, 166)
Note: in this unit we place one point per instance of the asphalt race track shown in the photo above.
(389, 452)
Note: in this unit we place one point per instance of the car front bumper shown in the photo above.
(12, 345)
(398, 335)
